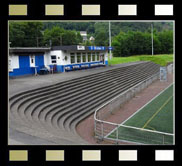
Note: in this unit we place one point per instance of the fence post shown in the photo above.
(102, 131)
(163, 140)
(117, 134)
(95, 124)
(110, 108)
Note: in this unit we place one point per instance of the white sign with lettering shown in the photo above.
(80, 47)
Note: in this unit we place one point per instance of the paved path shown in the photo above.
(20, 84)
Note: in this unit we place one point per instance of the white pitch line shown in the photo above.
(147, 103)
(138, 111)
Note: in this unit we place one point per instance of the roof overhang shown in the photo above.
(24, 50)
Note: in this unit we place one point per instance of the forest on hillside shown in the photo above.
(128, 38)
(116, 27)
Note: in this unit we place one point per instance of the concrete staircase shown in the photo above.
(53, 112)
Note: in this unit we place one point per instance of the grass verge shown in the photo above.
(162, 60)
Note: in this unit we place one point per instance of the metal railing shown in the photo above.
(105, 130)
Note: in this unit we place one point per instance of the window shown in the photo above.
(93, 56)
(53, 59)
(83, 57)
(89, 57)
(102, 57)
(78, 58)
(10, 64)
(98, 57)
(72, 58)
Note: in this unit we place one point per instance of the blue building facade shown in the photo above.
(29, 61)
(24, 65)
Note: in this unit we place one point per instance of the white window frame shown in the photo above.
(81, 58)
(87, 57)
(72, 54)
(32, 57)
(98, 55)
(77, 57)
(84, 54)
(10, 67)
(90, 56)
(53, 60)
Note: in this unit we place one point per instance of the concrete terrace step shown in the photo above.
(68, 118)
(34, 100)
(78, 95)
(37, 99)
(65, 103)
(63, 85)
(56, 110)
(26, 98)
(57, 79)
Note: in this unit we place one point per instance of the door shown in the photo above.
(102, 58)
(32, 60)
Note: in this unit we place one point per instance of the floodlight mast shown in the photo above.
(110, 39)
(152, 36)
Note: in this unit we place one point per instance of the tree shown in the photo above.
(166, 40)
(58, 36)
(16, 35)
(54, 35)
(25, 34)
(101, 39)
(120, 47)
(78, 38)
(138, 43)
(70, 38)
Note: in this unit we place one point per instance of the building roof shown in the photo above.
(29, 49)
(91, 38)
(24, 50)
(83, 33)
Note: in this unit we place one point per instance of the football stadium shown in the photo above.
(65, 90)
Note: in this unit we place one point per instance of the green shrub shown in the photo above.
(155, 59)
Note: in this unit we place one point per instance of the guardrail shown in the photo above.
(105, 130)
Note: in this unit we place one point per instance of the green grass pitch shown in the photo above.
(156, 116)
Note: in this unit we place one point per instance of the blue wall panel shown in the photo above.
(85, 63)
(106, 62)
(22, 71)
(59, 68)
(39, 61)
(24, 61)
(24, 64)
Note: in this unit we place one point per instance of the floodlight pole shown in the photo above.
(152, 36)
(110, 39)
